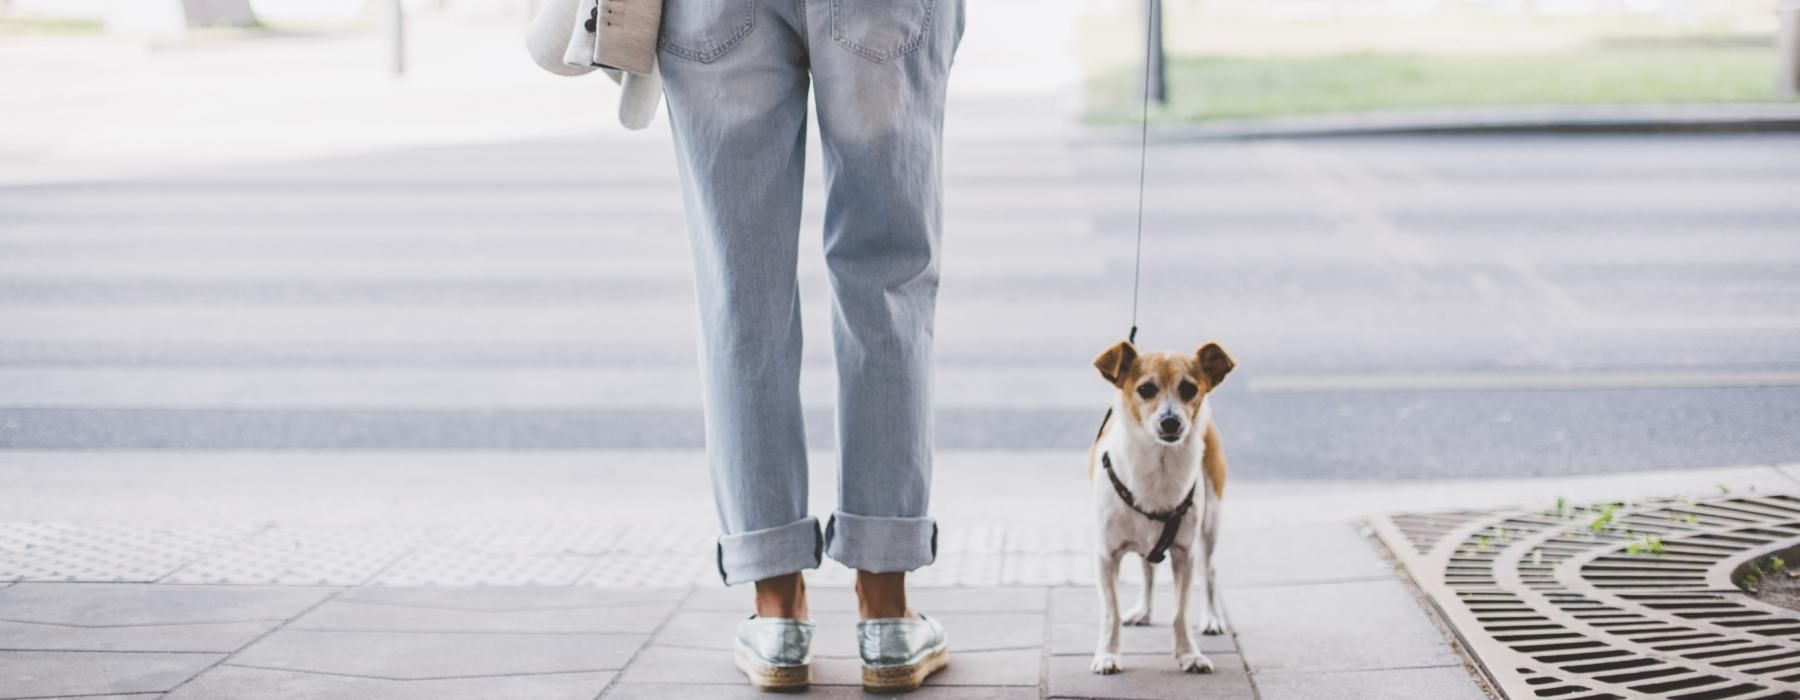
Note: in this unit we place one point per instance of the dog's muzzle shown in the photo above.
(1169, 430)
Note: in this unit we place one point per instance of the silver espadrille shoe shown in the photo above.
(775, 652)
(899, 653)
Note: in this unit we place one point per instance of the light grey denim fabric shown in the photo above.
(736, 74)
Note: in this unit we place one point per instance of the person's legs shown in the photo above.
(735, 77)
(879, 74)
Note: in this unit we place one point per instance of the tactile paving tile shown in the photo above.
(985, 539)
(446, 566)
(650, 570)
(107, 552)
(1028, 569)
(1059, 540)
(585, 554)
(513, 554)
(19, 540)
(658, 539)
(584, 539)
(959, 569)
(304, 556)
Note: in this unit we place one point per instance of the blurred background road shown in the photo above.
(1405, 308)
(255, 264)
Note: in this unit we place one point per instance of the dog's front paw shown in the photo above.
(1195, 662)
(1212, 625)
(1138, 616)
(1106, 664)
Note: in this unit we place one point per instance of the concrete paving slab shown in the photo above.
(1081, 604)
(354, 616)
(1439, 683)
(37, 674)
(118, 605)
(658, 665)
(435, 655)
(1078, 604)
(1149, 677)
(235, 683)
(221, 637)
(123, 696)
(1075, 619)
(1300, 553)
(506, 609)
(1074, 638)
(510, 598)
(1304, 628)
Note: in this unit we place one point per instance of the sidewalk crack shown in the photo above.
(649, 640)
(265, 635)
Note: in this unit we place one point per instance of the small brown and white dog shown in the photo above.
(1158, 475)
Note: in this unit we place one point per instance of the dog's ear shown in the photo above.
(1214, 362)
(1116, 362)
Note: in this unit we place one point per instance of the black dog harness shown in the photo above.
(1170, 519)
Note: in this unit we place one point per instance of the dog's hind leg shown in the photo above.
(1211, 622)
(1106, 578)
(1140, 614)
(1186, 656)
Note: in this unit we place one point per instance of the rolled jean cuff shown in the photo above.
(881, 545)
(759, 554)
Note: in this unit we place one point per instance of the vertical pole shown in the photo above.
(1156, 90)
(397, 35)
(1789, 46)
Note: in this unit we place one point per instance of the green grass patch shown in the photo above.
(53, 26)
(1203, 88)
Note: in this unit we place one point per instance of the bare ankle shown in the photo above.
(782, 596)
(881, 595)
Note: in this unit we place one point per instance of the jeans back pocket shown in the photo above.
(881, 30)
(703, 30)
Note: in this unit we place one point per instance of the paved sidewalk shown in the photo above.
(509, 607)
(240, 641)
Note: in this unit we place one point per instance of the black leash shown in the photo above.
(1170, 519)
(1137, 264)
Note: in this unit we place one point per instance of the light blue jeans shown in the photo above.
(736, 74)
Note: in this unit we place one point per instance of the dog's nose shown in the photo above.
(1170, 426)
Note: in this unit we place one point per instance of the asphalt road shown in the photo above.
(1400, 307)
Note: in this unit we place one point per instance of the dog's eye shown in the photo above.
(1147, 390)
(1188, 390)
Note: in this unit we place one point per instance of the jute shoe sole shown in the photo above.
(773, 678)
(900, 679)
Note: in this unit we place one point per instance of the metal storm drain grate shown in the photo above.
(1612, 601)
